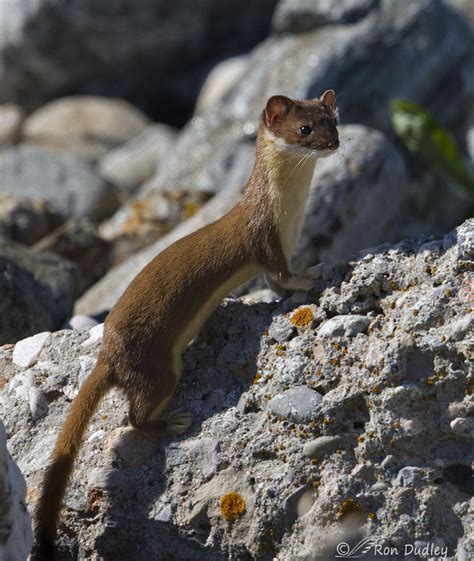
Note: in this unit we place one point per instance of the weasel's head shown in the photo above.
(303, 126)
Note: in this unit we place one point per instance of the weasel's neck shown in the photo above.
(288, 179)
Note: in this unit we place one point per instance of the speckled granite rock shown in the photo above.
(398, 470)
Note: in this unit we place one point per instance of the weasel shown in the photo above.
(167, 303)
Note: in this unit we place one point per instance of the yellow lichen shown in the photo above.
(232, 506)
(349, 506)
(302, 317)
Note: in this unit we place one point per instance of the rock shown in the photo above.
(23, 385)
(16, 535)
(79, 242)
(25, 220)
(408, 475)
(281, 329)
(38, 292)
(320, 447)
(365, 181)
(298, 404)
(220, 80)
(463, 426)
(298, 16)
(128, 166)
(344, 326)
(95, 335)
(86, 126)
(69, 185)
(206, 452)
(131, 446)
(26, 352)
(243, 482)
(298, 504)
(140, 57)
(11, 119)
(81, 322)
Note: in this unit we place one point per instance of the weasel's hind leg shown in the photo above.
(146, 411)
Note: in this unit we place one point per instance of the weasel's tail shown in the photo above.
(67, 446)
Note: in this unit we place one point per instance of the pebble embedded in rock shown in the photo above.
(462, 425)
(409, 475)
(27, 351)
(322, 446)
(344, 326)
(133, 447)
(297, 404)
(95, 335)
(281, 329)
(298, 504)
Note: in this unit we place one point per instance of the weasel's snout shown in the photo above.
(333, 144)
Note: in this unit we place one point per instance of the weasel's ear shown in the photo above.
(277, 106)
(329, 98)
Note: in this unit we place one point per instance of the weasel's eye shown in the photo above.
(305, 130)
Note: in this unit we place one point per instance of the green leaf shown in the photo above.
(421, 134)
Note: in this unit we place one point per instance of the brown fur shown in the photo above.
(143, 334)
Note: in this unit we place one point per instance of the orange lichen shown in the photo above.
(232, 506)
(256, 378)
(349, 506)
(302, 317)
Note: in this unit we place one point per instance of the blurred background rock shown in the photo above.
(125, 125)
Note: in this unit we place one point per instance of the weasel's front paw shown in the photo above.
(179, 421)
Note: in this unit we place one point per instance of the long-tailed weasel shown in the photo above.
(164, 307)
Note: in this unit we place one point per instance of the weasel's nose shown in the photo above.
(333, 144)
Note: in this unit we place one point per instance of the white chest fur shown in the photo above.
(290, 174)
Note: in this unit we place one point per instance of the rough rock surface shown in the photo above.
(15, 526)
(134, 50)
(70, 185)
(245, 483)
(37, 291)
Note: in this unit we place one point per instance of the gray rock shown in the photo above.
(220, 80)
(68, 184)
(15, 535)
(11, 119)
(409, 475)
(320, 447)
(388, 466)
(86, 126)
(357, 198)
(130, 165)
(298, 504)
(25, 220)
(344, 326)
(113, 59)
(297, 16)
(27, 351)
(38, 292)
(281, 329)
(298, 404)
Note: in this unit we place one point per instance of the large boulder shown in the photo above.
(86, 126)
(325, 418)
(70, 185)
(15, 525)
(152, 52)
(38, 291)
